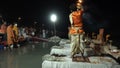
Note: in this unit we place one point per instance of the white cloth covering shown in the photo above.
(69, 64)
(62, 51)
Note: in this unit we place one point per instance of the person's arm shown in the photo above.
(82, 9)
(70, 17)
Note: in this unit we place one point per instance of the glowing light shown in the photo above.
(53, 17)
(80, 1)
(19, 18)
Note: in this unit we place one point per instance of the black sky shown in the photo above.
(99, 13)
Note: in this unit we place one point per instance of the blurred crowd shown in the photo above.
(13, 36)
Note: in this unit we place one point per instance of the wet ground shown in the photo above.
(27, 56)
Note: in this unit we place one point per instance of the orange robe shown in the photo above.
(10, 35)
(3, 29)
(76, 22)
(16, 33)
(73, 30)
(77, 18)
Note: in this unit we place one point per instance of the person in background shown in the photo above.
(43, 33)
(16, 34)
(10, 35)
(107, 38)
(3, 30)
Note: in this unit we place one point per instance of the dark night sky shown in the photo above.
(99, 13)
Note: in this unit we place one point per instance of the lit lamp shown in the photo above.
(53, 19)
(19, 18)
(80, 1)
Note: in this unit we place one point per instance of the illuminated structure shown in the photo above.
(53, 19)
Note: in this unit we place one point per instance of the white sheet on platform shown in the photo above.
(53, 64)
(62, 51)
(69, 64)
(64, 41)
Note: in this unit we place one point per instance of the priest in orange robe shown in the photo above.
(76, 30)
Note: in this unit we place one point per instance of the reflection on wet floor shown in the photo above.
(27, 56)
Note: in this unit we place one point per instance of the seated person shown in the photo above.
(21, 38)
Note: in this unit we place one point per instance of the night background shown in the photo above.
(98, 14)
